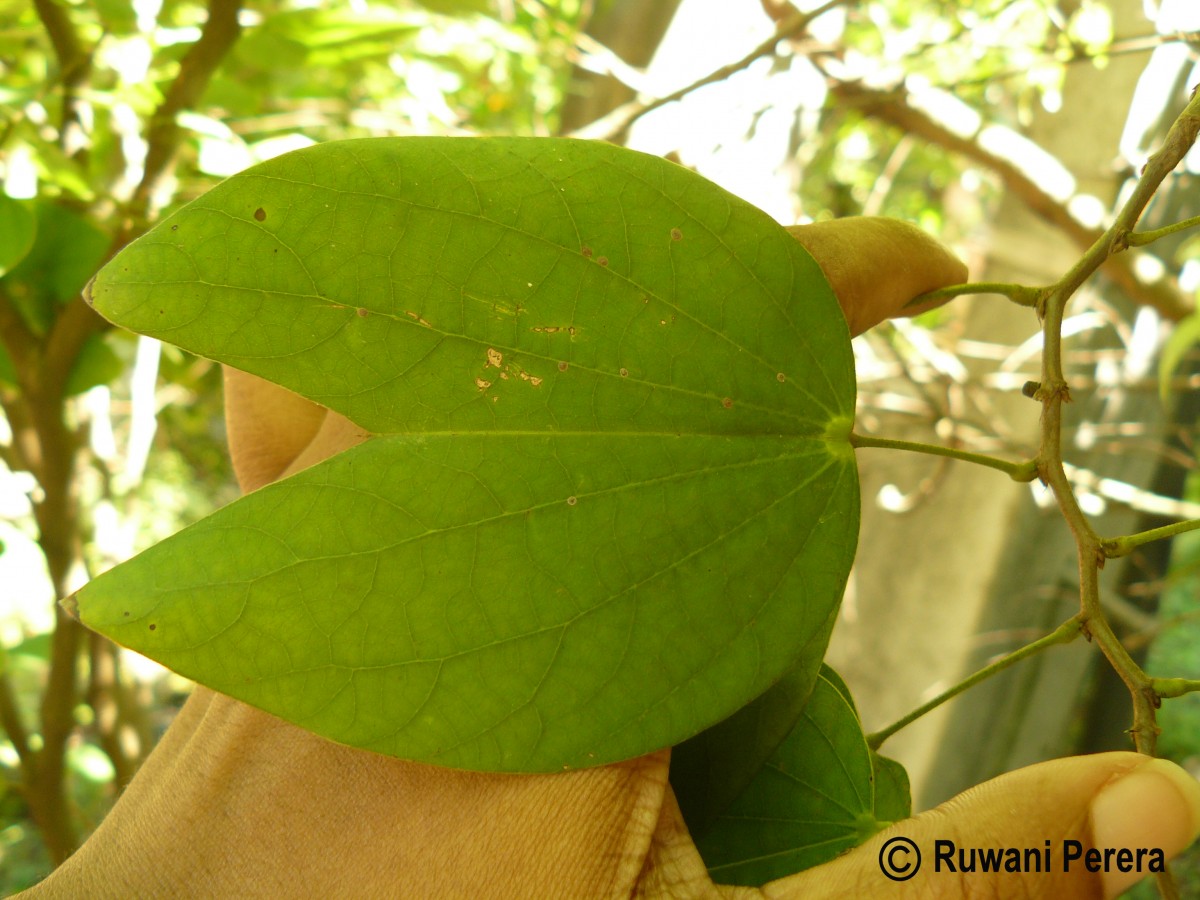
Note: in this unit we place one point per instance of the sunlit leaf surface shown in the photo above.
(610, 500)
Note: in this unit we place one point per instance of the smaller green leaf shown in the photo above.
(17, 230)
(95, 364)
(1185, 336)
(893, 796)
(817, 797)
(712, 769)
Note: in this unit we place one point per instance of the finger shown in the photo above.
(268, 427)
(337, 433)
(1104, 802)
(877, 265)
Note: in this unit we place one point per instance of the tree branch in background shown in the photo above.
(220, 33)
(628, 34)
(616, 124)
(42, 438)
(893, 107)
(107, 695)
(74, 64)
(1054, 392)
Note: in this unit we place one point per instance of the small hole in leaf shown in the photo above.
(781, 378)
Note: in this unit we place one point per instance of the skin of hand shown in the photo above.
(237, 803)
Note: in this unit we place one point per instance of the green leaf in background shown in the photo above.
(17, 230)
(1182, 339)
(97, 363)
(66, 252)
(822, 793)
(611, 500)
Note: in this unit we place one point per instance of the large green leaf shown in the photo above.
(822, 792)
(611, 500)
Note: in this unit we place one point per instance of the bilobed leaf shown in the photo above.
(818, 796)
(610, 500)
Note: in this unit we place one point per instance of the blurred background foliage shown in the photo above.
(115, 112)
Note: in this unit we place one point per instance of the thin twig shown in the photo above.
(74, 64)
(1141, 238)
(1022, 471)
(1054, 392)
(1063, 634)
(13, 724)
(893, 107)
(614, 125)
(1125, 544)
(1020, 294)
(220, 33)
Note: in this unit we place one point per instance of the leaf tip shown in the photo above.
(70, 605)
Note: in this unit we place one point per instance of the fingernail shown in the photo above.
(1155, 806)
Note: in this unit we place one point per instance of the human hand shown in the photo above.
(235, 802)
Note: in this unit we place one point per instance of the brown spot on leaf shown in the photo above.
(603, 260)
(727, 403)
(152, 626)
(624, 372)
(781, 378)
(571, 501)
(676, 234)
(586, 251)
(562, 367)
(362, 313)
(260, 215)
(494, 358)
(412, 315)
(482, 385)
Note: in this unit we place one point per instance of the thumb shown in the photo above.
(876, 266)
(1046, 816)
